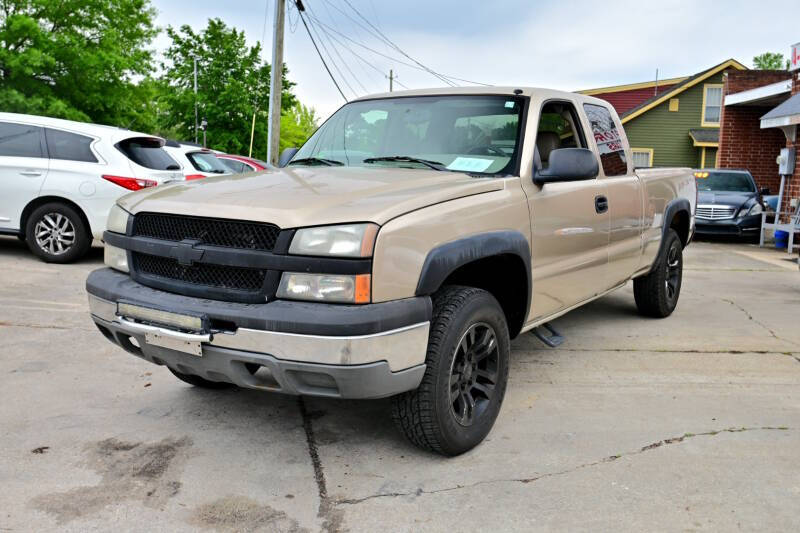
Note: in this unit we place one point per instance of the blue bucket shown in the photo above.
(781, 239)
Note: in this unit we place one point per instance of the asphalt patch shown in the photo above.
(238, 513)
(148, 472)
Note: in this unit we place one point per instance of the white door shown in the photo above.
(23, 169)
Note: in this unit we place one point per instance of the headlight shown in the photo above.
(332, 288)
(116, 258)
(755, 209)
(347, 240)
(117, 220)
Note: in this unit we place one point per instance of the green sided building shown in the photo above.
(675, 122)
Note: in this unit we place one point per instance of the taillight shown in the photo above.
(132, 184)
(190, 177)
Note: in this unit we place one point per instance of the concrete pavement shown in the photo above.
(687, 423)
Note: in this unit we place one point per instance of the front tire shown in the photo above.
(465, 380)
(657, 293)
(57, 234)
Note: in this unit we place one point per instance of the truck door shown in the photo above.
(23, 168)
(569, 222)
(624, 192)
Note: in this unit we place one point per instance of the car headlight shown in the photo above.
(117, 220)
(755, 209)
(332, 288)
(346, 240)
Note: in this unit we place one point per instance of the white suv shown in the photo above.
(197, 162)
(59, 179)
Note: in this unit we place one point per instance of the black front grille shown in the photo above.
(223, 277)
(213, 231)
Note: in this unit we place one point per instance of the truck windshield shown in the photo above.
(475, 134)
(725, 182)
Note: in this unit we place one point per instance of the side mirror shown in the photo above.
(568, 164)
(764, 191)
(286, 156)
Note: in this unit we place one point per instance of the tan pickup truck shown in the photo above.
(397, 254)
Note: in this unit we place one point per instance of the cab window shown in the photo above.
(609, 142)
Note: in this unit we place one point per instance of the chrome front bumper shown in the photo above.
(361, 366)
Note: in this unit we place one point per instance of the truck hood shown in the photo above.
(306, 196)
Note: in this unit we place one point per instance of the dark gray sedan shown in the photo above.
(728, 203)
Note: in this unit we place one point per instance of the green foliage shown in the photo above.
(297, 124)
(76, 59)
(88, 60)
(770, 61)
(233, 83)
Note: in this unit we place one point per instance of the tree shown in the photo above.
(77, 59)
(297, 124)
(233, 83)
(770, 61)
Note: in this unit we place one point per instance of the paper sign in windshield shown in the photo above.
(470, 164)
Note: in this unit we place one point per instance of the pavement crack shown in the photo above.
(331, 518)
(755, 320)
(532, 479)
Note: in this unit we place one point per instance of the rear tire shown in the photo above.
(462, 390)
(657, 293)
(57, 234)
(203, 383)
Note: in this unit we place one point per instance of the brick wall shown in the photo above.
(742, 142)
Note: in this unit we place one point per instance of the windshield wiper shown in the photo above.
(328, 162)
(435, 165)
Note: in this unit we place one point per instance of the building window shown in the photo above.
(642, 157)
(674, 104)
(712, 104)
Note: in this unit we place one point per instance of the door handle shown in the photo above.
(31, 173)
(600, 204)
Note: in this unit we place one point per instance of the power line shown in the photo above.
(367, 74)
(330, 57)
(303, 20)
(393, 45)
(336, 51)
(356, 55)
(396, 60)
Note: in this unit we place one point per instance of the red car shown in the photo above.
(240, 164)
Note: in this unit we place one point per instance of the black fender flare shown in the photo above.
(673, 208)
(446, 258)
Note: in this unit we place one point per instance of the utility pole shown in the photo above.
(391, 80)
(194, 57)
(276, 83)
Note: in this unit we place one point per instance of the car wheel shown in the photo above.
(465, 378)
(197, 381)
(657, 293)
(56, 233)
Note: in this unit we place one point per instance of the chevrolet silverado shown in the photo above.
(397, 253)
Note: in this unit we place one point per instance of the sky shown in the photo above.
(567, 44)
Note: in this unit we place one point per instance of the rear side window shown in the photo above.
(609, 143)
(147, 153)
(235, 166)
(20, 140)
(206, 162)
(69, 146)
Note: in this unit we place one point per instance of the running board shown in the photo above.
(552, 337)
